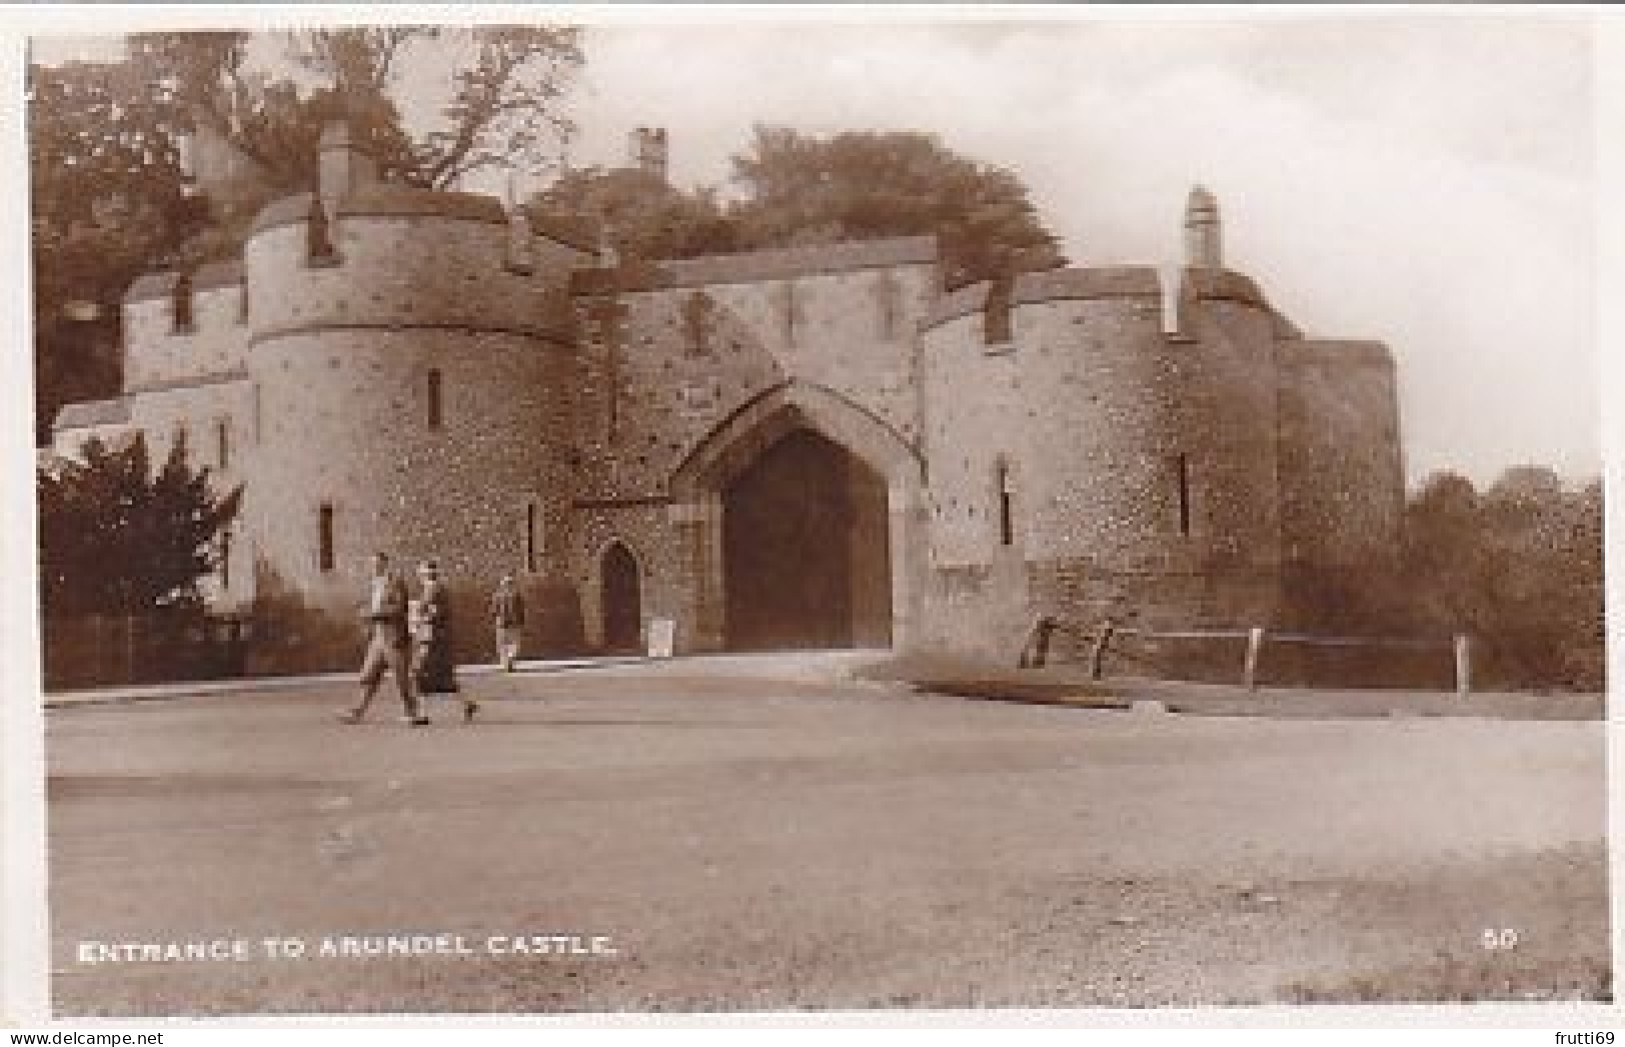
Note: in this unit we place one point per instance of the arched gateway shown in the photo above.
(799, 509)
(806, 562)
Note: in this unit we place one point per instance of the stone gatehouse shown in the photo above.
(811, 447)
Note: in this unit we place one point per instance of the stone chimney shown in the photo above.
(521, 246)
(1203, 249)
(648, 149)
(343, 165)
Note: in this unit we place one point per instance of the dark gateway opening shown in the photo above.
(807, 562)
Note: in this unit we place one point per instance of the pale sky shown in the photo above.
(1422, 179)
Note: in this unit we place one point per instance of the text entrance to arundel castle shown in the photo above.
(806, 550)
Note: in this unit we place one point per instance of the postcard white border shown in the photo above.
(24, 998)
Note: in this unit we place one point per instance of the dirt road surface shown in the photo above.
(747, 842)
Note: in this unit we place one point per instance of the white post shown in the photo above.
(662, 637)
(1255, 642)
(1464, 665)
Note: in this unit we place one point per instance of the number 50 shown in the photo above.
(1500, 939)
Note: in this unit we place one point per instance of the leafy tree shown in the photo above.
(859, 185)
(794, 189)
(1519, 566)
(107, 203)
(505, 106)
(109, 199)
(1442, 549)
(115, 538)
(646, 217)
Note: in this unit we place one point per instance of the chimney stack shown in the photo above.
(1203, 249)
(649, 151)
(343, 166)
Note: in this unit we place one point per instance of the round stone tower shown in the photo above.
(1119, 442)
(413, 380)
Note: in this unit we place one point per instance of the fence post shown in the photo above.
(104, 648)
(1097, 656)
(1464, 665)
(1249, 669)
(130, 650)
(1035, 651)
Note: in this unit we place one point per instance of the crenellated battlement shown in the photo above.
(1097, 283)
(396, 258)
(178, 325)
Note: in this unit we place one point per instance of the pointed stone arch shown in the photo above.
(739, 441)
(759, 422)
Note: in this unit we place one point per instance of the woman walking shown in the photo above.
(432, 666)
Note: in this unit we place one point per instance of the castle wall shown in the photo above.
(1342, 471)
(158, 354)
(432, 417)
(423, 271)
(197, 413)
(648, 533)
(654, 386)
(444, 382)
(106, 421)
(1224, 421)
(669, 358)
(1140, 467)
(647, 397)
(346, 427)
(975, 591)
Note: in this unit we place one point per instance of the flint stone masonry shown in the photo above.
(1166, 460)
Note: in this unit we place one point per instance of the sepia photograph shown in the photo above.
(1066, 509)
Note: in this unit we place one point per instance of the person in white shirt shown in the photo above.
(388, 642)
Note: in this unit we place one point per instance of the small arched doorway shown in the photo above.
(622, 600)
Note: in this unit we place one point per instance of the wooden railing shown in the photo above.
(1106, 639)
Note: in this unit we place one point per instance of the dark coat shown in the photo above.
(436, 672)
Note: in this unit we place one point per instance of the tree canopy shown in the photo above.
(108, 203)
(790, 189)
(505, 104)
(1519, 566)
(644, 215)
(859, 185)
(117, 538)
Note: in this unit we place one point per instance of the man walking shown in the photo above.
(388, 644)
(508, 619)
